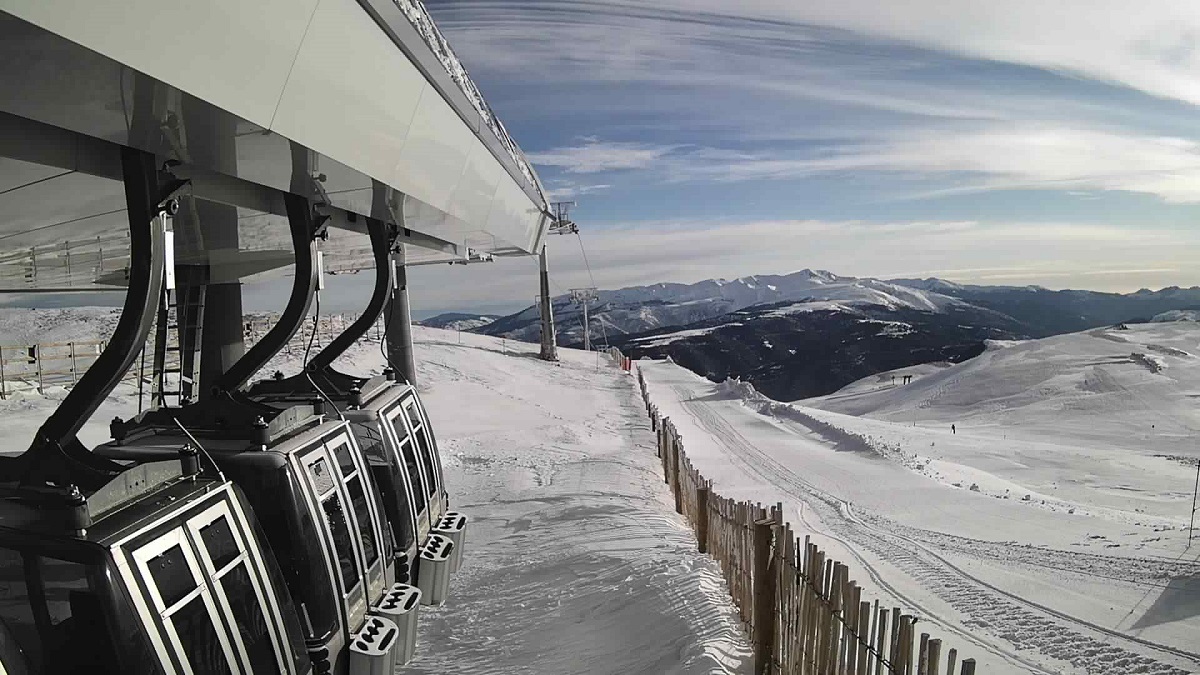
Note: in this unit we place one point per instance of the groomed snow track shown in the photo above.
(1016, 626)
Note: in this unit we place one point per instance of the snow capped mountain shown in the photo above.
(1177, 315)
(458, 321)
(645, 308)
(1046, 312)
(795, 350)
(811, 332)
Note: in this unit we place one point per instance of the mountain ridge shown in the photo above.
(810, 332)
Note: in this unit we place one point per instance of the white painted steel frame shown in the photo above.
(371, 418)
(354, 601)
(373, 572)
(187, 535)
(410, 402)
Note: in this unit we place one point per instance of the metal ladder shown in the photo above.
(177, 347)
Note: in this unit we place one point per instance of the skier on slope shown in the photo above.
(953, 430)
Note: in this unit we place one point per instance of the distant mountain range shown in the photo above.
(811, 332)
(1047, 312)
(458, 321)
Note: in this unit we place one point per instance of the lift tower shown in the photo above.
(561, 224)
(581, 297)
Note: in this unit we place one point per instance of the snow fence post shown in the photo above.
(906, 644)
(764, 597)
(863, 635)
(923, 655)
(935, 655)
(702, 518)
(677, 450)
(951, 661)
(881, 627)
(968, 667)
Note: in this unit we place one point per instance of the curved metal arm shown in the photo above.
(147, 243)
(380, 247)
(304, 245)
(56, 453)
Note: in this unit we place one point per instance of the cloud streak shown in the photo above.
(1151, 49)
(994, 157)
(595, 157)
(912, 133)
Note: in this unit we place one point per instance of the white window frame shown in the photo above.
(270, 607)
(437, 504)
(396, 415)
(142, 556)
(392, 446)
(354, 612)
(346, 437)
(437, 455)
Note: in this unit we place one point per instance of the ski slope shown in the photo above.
(1047, 536)
(576, 561)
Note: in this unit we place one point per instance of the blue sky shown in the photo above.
(1010, 142)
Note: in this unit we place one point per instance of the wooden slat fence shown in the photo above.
(803, 613)
(37, 366)
(329, 326)
(49, 364)
(41, 365)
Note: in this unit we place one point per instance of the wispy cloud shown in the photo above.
(1153, 49)
(594, 157)
(559, 189)
(792, 108)
(995, 157)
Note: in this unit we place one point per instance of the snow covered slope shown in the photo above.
(1048, 535)
(1177, 315)
(576, 561)
(1110, 387)
(20, 326)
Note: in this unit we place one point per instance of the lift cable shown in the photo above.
(585, 258)
(588, 265)
(389, 315)
(64, 222)
(307, 350)
(35, 182)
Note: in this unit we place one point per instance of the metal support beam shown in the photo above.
(56, 453)
(549, 343)
(304, 286)
(380, 244)
(561, 224)
(211, 141)
(398, 322)
(37, 143)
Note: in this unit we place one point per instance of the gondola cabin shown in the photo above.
(160, 571)
(310, 486)
(398, 442)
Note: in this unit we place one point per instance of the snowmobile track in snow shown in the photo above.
(1024, 624)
